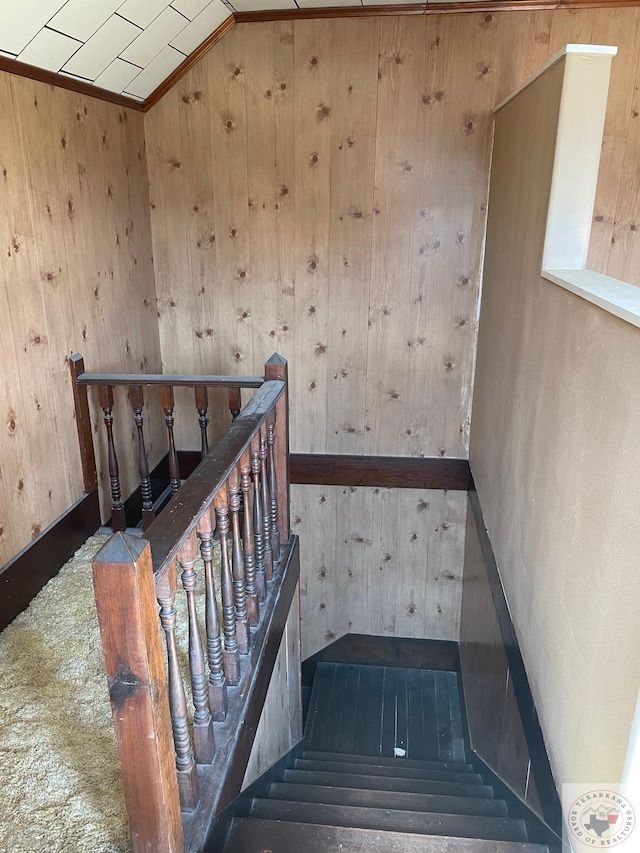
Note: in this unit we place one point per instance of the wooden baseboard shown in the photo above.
(540, 764)
(385, 651)
(388, 472)
(22, 578)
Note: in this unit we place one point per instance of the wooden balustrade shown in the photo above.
(236, 491)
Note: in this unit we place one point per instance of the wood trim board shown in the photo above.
(392, 472)
(454, 8)
(22, 578)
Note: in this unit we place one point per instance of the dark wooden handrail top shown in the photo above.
(170, 380)
(170, 530)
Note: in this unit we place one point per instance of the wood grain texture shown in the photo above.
(364, 572)
(323, 469)
(75, 275)
(328, 200)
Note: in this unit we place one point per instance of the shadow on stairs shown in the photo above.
(385, 765)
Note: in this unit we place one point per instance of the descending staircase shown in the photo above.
(384, 766)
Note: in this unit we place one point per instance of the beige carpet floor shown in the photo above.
(59, 770)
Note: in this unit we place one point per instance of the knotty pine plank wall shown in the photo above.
(76, 275)
(319, 188)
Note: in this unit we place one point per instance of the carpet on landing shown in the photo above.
(59, 769)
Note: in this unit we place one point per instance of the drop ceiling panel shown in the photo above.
(102, 48)
(22, 21)
(190, 8)
(156, 37)
(142, 12)
(155, 73)
(202, 25)
(117, 76)
(80, 19)
(49, 50)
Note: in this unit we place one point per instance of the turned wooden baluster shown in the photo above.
(166, 589)
(217, 681)
(230, 655)
(273, 483)
(266, 504)
(239, 585)
(258, 525)
(136, 398)
(203, 740)
(202, 404)
(235, 402)
(168, 403)
(253, 609)
(105, 395)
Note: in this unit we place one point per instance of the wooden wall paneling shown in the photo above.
(353, 121)
(354, 553)
(531, 31)
(313, 57)
(30, 418)
(229, 153)
(571, 26)
(624, 256)
(467, 125)
(398, 182)
(427, 289)
(623, 30)
(387, 562)
(314, 519)
(446, 564)
(270, 93)
(77, 205)
(379, 561)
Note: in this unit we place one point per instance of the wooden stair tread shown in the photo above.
(252, 835)
(381, 761)
(465, 777)
(388, 799)
(459, 826)
(387, 783)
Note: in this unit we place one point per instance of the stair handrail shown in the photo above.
(243, 480)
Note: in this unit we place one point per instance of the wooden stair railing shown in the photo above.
(275, 368)
(241, 491)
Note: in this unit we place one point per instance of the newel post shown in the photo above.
(128, 618)
(83, 425)
(277, 368)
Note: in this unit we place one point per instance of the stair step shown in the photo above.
(386, 783)
(387, 799)
(250, 835)
(460, 826)
(466, 777)
(381, 761)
